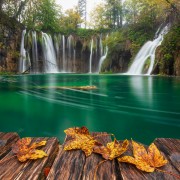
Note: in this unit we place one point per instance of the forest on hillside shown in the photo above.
(111, 14)
(129, 23)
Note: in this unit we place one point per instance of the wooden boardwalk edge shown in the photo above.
(74, 165)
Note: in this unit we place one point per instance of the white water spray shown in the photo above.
(90, 58)
(34, 51)
(102, 60)
(23, 61)
(64, 54)
(147, 51)
(50, 64)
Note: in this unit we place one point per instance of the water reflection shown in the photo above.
(127, 106)
(142, 89)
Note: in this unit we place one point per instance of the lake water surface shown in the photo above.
(137, 107)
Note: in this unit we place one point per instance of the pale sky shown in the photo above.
(68, 4)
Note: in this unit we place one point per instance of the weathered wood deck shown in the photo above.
(73, 165)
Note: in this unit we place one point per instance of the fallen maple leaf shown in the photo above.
(112, 150)
(81, 139)
(144, 160)
(25, 150)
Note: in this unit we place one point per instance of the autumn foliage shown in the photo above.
(25, 150)
(81, 139)
(145, 160)
(111, 150)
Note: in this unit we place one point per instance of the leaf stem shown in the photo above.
(170, 173)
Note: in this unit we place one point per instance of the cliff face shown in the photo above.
(167, 60)
(10, 37)
(118, 58)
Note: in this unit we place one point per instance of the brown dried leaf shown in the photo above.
(77, 131)
(25, 151)
(112, 150)
(81, 139)
(144, 160)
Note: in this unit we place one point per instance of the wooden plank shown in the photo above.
(67, 165)
(130, 172)
(171, 148)
(1, 133)
(32, 169)
(107, 170)
(6, 141)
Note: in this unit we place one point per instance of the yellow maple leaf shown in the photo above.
(112, 150)
(81, 139)
(145, 160)
(24, 150)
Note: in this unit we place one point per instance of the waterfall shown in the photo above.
(34, 52)
(147, 51)
(50, 64)
(102, 60)
(101, 46)
(64, 54)
(74, 60)
(90, 58)
(57, 40)
(57, 53)
(23, 61)
(69, 46)
(70, 49)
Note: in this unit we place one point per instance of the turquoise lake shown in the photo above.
(138, 107)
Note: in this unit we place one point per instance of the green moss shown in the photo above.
(146, 65)
(6, 73)
(169, 47)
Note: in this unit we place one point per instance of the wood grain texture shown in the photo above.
(130, 172)
(32, 169)
(67, 165)
(106, 170)
(6, 141)
(171, 149)
(73, 165)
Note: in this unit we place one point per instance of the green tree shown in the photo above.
(114, 13)
(13, 8)
(70, 20)
(48, 14)
(98, 17)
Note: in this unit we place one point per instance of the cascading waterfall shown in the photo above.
(101, 46)
(90, 58)
(56, 55)
(34, 52)
(23, 60)
(147, 51)
(69, 46)
(57, 40)
(102, 59)
(70, 49)
(64, 54)
(50, 64)
(74, 60)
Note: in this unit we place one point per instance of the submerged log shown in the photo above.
(83, 88)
